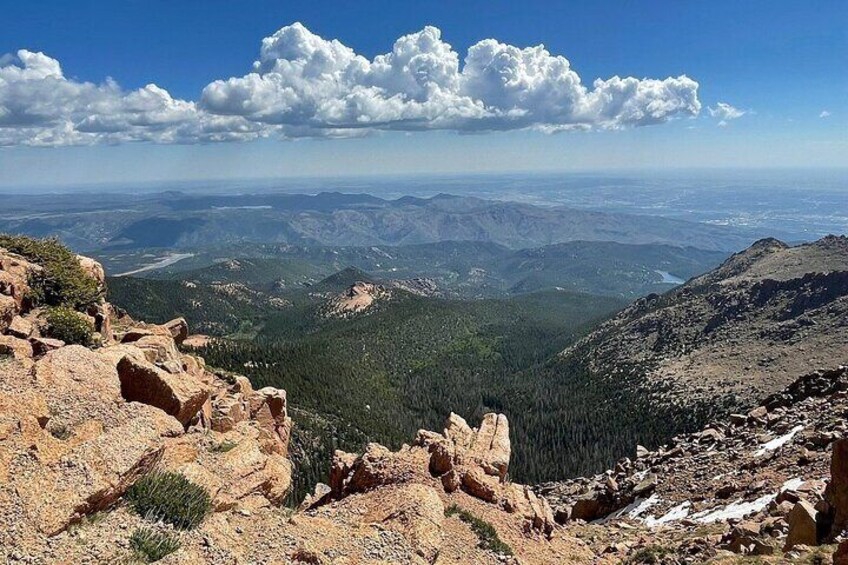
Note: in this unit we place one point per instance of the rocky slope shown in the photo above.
(772, 482)
(356, 298)
(735, 334)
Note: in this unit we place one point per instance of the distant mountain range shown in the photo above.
(176, 220)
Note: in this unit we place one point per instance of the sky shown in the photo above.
(148, 90)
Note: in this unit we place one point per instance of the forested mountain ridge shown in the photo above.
(400, 365)
(663, 365)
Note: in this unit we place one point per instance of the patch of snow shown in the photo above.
(792, 484)
(735, 510)
(639, 475)
(778, 442)
(641, 505)
(677, 513)
(633, 510)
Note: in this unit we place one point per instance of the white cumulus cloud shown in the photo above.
(40, 106)
(302, 85)
(824, 114)
(724, 112)
(310, 84)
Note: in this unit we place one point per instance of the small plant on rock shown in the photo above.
(486, 534)
(651, 555)
(62, 282)
(224, 446)
(151, 545)
(59, 431)
(69, 326)
(171, 498)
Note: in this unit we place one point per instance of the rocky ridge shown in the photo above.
(359, 297)
(79, 425)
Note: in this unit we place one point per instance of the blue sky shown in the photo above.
(780, 66)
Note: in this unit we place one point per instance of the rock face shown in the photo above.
(803, 527)
(473, 460)
(357, 298)
(267, 407)
(79, 426)
(836, 493)
(94, 270)
(178, 329)
(180, 396)
(15, 272)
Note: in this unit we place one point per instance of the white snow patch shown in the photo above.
(633, 510)
(640, 506)
(778, 442)
(792, 484)
(736, 510)
(677, 513)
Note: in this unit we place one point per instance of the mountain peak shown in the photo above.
(745, 329)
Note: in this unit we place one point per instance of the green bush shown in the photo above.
(63, 282)
(486, 534)
(170, 497)
(651, 555)
(68, 325)
(151, 545)
(224, 446)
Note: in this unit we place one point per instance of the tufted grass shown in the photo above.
(486, 534)
(69, 326)
(171, 498)
(150, 545)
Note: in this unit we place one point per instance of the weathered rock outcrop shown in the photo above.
(181, 395)
(78, 426)
(836, 493)
(357, 298)
(473, 460)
